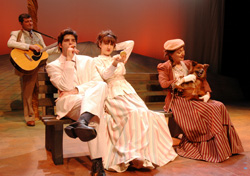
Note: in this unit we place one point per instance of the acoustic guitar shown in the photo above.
(27, 61)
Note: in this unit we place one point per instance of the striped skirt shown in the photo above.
(208, 131)
(135, 132)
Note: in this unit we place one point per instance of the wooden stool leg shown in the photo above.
(48, 134)
(57, 142)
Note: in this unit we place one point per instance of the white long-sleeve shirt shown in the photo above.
(26, 41)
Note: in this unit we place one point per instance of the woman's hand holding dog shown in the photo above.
(190, 77)
(206, 97)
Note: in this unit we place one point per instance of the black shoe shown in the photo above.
(97, 168)
(69, 130)
(84, 132)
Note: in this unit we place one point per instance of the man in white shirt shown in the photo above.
(81, 96)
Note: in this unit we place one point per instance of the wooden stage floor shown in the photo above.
(22, 152)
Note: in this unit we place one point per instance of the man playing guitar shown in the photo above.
(26, 39)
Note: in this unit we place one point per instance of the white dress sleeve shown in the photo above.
(105, 72)
(126, 46)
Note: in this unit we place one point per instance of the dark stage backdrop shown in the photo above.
(148, 22)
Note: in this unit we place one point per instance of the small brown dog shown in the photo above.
(194, 90)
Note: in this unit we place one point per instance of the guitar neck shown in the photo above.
(48, 47)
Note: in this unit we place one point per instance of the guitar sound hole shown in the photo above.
(36, 56)
(36, 53)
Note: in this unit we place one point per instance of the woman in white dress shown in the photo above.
(137, 136)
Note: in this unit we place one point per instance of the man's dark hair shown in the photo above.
(66, 32)
(22, 16)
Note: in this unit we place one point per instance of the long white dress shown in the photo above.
(133, 131)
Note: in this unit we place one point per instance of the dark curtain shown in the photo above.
(204, 32)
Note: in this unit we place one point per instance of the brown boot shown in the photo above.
(30, 123)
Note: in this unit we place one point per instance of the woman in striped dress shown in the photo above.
(136, 136)
(208, 133)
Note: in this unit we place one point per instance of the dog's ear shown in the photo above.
(191, 69)
(206, 66)
(194, 63)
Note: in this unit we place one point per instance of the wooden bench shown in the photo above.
(53, 126)
(146, 85)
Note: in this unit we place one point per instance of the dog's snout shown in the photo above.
(200, 72)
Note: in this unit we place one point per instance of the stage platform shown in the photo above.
(22, 152)
(22, 148)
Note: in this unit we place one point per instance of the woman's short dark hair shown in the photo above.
(64, 32)
(107, 37)
(22, 16)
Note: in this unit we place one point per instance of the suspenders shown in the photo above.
(19, 36)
